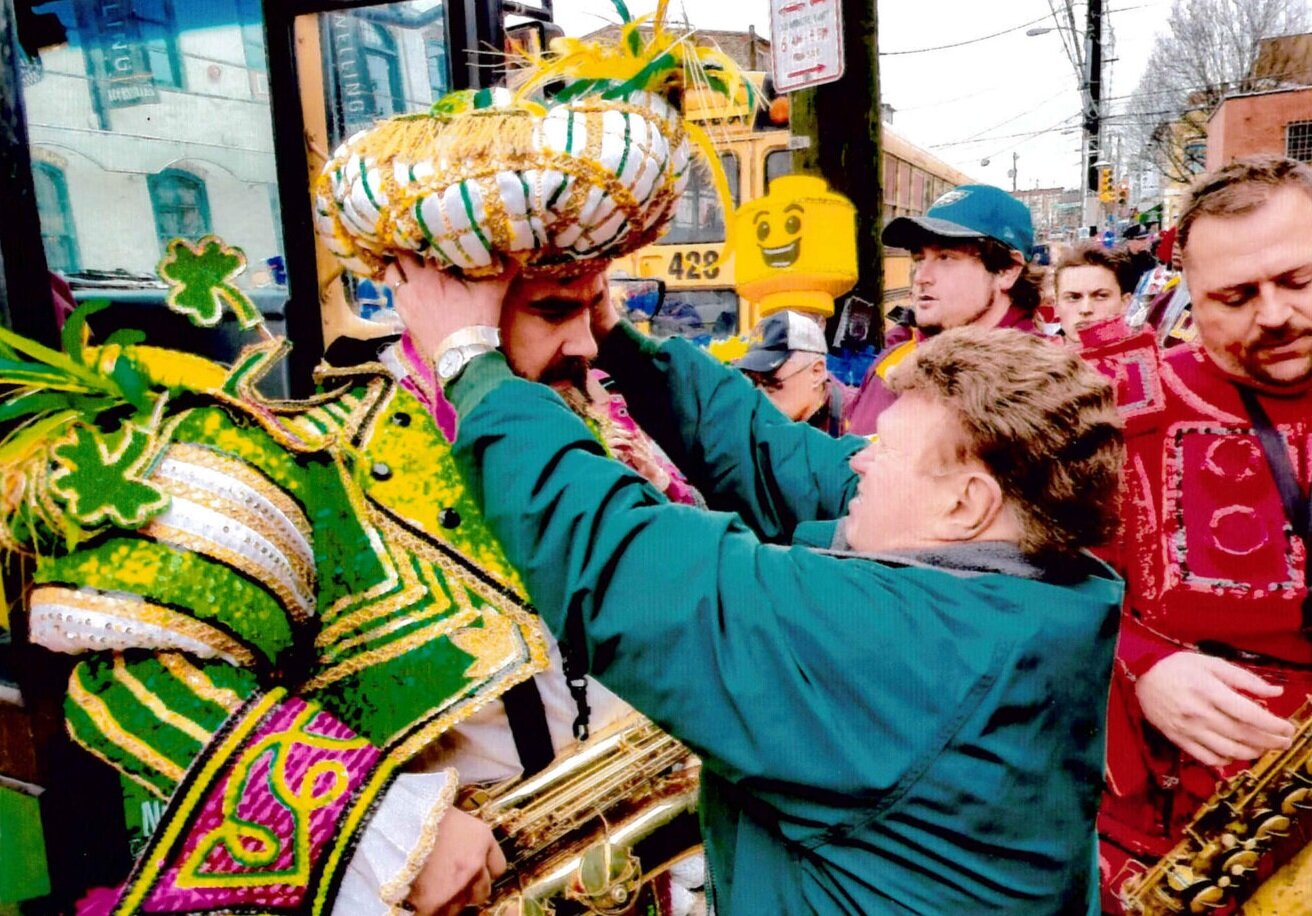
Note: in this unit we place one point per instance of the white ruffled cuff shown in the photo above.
(395, 844)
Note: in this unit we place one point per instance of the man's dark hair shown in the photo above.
(1092, 254)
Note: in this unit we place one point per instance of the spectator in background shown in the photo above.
(970, 252)
(787, 362)
(1091, 284)
(1139, 248)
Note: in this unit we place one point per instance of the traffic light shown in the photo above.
(1106, 193)
(1123, 193)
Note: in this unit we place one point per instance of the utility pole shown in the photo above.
(1014, 171)
(1092, 114)
(839, 125)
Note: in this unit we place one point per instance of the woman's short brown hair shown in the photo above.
(1041, 420)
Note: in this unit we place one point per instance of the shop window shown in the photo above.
(57, 231)
(1298, 140)
(384, 69)
(182, 208)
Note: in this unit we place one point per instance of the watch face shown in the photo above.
(449, 363)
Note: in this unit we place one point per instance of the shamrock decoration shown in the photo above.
(100, 477)
(200, 277)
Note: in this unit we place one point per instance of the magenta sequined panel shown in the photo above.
(260, 826)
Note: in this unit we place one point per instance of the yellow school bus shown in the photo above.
(700, 300)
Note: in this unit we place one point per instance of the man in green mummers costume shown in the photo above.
(280, 606)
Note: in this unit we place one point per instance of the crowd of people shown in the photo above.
(979, 636)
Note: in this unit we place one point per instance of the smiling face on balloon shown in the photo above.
(779, 234)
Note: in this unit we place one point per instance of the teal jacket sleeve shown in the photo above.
(731, 442)
(746, 651)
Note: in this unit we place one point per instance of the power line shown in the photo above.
(981, 135)
(959, 44)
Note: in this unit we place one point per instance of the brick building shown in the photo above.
(1055, 212)
(1277, 122)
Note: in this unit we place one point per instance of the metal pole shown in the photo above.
(1092, 113)
(839, 123)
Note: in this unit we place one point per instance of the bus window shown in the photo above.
(697, 313)
(699, 216)
(777, 162)
(377, 61)
(380, 61)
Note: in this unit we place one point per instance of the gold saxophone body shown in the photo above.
(588, 832)
(1257, 820)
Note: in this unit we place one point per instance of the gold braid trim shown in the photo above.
(299, 607)
(299, 556)
(386, 653)
(198, 682)
(239, 470)
(99, 713)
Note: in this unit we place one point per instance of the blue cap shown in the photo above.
(970, 211)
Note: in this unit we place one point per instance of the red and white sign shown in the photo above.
(806, 43)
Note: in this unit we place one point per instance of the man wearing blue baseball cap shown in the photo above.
(970, 253)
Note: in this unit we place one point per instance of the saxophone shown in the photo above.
(1255, 820)
(595, 825)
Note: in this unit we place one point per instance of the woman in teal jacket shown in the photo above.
(910, 720)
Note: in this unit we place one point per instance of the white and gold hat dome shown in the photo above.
(490, 177)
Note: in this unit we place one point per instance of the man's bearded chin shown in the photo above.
(569, 372)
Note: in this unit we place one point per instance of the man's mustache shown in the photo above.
(571, 370)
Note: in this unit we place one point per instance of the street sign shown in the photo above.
(806, 43)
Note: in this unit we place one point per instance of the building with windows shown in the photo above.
(1056, 212)
(153, 122)
(1277, 122)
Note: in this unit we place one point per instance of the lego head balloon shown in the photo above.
(795, 248)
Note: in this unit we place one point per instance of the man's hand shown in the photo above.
(1199, 703)
(605, 316)
(460, 870)
(435, 303)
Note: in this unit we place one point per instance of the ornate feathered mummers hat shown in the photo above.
(491, 177)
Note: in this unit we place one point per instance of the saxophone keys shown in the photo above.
(1296, 798)
(1271, 824)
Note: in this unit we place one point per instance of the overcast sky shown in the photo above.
(987, 99)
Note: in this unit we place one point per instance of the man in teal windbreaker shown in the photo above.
(906, 716)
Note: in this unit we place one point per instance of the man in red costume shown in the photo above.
(1215, 652)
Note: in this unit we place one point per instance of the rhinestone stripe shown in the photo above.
(190, 481)
(190, 526)
(245, 474)
(79, 620)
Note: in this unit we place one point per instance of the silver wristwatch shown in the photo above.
(454, 353)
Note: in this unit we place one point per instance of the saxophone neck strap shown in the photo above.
(1296, 503)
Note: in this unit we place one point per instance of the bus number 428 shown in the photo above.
(695, 265)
